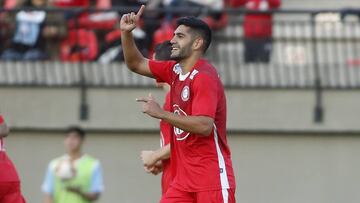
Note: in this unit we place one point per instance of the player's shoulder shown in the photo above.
(54, 162)
(205, 69)
(155, 63)
(92, 159)
(203, 75)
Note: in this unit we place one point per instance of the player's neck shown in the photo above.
(188, 63)
(75, 155)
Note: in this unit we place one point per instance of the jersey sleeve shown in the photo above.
(205, 96)
(162, 70)
(48, 184)
(97, 185)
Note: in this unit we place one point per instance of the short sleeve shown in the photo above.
(205, 96)
(48, 184)
(162, 70)
(97, 184)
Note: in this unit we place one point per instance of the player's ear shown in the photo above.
(198, 43)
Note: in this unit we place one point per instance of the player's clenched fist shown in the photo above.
(129, 21)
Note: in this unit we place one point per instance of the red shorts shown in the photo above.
(10, 193)
(216, 196)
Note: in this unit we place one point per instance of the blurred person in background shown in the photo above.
(257, 29)
(74, 177)
(31, 32)
(4, 26)
(159, 160)
(28, 42)
(10, 191)
(217, 19)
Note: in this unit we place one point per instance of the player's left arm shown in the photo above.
(96, 186)
(89, 196)
(204, 103)
(201, 125)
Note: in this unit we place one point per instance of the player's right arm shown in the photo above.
(134, 60)
(48, 184)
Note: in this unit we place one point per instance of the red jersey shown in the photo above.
(255, 24)
(202, 163)
(7, 170)
(71, 3)
(165, 130)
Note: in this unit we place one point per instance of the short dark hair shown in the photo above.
(199, 27)
(78, 130)
(163, 51)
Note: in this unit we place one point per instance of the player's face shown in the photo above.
(73, 142)
(181, 43)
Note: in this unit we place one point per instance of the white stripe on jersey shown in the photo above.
(223, 174)
(225, 194)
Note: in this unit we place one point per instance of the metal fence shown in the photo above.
(311, 49)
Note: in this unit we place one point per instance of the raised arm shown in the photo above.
(134, 60)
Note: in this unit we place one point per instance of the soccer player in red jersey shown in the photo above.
(159, 160)
(199, 149)
(9, 180)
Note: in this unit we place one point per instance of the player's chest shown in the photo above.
(182, 94)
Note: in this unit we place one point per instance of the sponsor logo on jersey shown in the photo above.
(179, 133)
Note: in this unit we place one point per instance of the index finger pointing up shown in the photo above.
(140, 12)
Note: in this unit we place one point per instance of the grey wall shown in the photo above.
(320, 4)
(269, 168)
(304, 164)
(117, 109)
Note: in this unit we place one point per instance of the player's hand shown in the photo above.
(73, 189)
(149, 159)
(155, 170)
(151, 107)
(129, 21)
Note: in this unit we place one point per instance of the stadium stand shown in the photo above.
(308, 44)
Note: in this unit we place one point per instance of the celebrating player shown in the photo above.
(199, 149)
(9, 180)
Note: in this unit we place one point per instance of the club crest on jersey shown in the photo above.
(185, 93)
(179, 133)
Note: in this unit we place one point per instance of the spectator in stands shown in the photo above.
(4, 26)
(28, 42)
(75, 177)
(70, 4)
(257, 29)
(216, 6)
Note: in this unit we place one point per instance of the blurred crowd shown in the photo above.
(83, 35)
